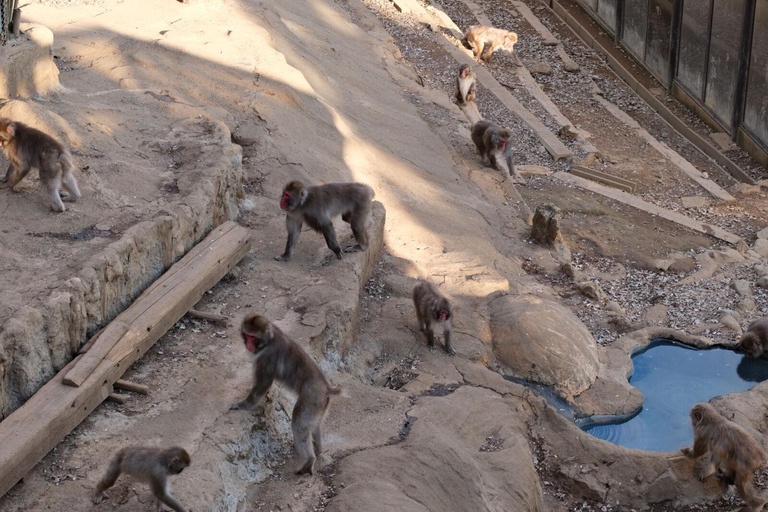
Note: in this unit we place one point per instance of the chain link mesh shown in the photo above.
(6, 13)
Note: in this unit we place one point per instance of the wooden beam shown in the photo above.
(171, 296)
(36, 427)
(211, 317)
(132, 386)
(117, 398)
(636, 202)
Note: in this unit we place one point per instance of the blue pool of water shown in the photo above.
(673, 377)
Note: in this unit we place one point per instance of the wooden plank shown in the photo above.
(117, 398)
(88, 344)
(131, 386)
(681, 163)
(183, 278)
(647, 207)
(605, 179)
(211, 317)
(50, 414)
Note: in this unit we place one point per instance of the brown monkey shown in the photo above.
(491, 140)
(318, 205)
(465, 85)
(735, 454)
(479, 37)
(150, 465)
(433, 308)
(27, 147)
(755, 339)
(276, 356)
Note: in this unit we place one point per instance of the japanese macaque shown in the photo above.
(465, 85)
(276, 356)
(27, 147)
(318, 205)
(432, 308)
(480, 37)
(149, 465)
(755, 338)
(735, 454)
(492, 141)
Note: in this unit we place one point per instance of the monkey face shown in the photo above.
(7, 132)
(443, 311)
(751, 345)
(251, 342)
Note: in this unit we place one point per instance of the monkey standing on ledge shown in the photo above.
(150, 465)
(318, 205)
(27, 147)
(465, 85)
(276, 356)
(735, 454)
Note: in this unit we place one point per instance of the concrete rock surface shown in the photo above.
(541, 341)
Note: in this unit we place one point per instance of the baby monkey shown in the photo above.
(433, 308)
(276, 356)
(465, 85)
(27, 147)
(484, 42)
(150, 465)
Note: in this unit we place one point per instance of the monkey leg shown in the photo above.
(707, 471)
(256, 395)
(317, 439)
(358, 229)
(70, 184)
(430, 337)
(293, 226)
(162, 491)
(16, 175)
(54, 185)
(492, 159)
(447, 335)
(305, 420)
(422, 325)
(330, 239)
(107, 481)
(753, 500)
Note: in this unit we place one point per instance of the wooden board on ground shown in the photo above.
(50, 414)
(171, 296)
(605, 179)
(647, 207)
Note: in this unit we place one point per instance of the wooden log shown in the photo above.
(171, 296)
(132, 386)
(117, 398)
(211, 317)
(88, 344)
(49, 415)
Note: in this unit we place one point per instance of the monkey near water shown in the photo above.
(735, 454)
(318, 205)
(27, 147)
(432, 308)
(150, 465)
(480, 37)
(276, 356)
(465, 85)
(755, 339)
(492, 142)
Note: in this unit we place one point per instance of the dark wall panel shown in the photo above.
(634, 25)
(606, 10)
(659, 33)
(756, 114)
(727, 18)
(692, 60)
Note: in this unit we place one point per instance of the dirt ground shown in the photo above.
(345, 90)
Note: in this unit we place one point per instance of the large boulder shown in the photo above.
(543, 342)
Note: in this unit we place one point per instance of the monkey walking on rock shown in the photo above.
(27, 147)
(275, 356)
